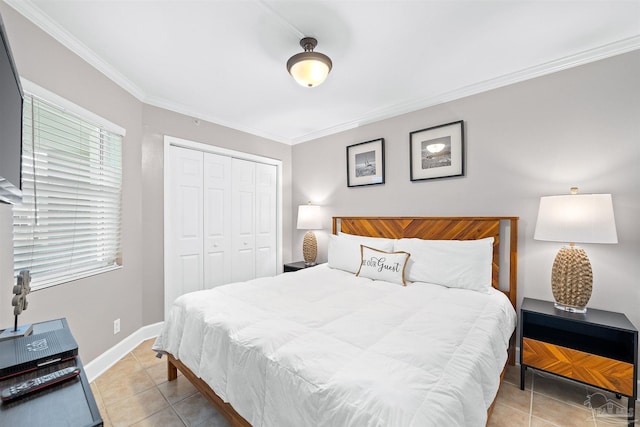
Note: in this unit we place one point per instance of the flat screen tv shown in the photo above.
(11, 99)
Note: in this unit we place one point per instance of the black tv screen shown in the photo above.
(11, 98)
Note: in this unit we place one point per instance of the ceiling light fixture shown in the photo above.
(309, 68)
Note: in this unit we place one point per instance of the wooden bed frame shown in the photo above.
(429, 228)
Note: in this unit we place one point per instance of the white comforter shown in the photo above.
(321, 347)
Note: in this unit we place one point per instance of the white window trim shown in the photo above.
(68, 106)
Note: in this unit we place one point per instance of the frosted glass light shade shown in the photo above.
(309, 68)
(310, 72)
(576, 218)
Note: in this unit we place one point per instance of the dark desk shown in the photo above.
(70, 403)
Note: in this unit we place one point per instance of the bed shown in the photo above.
(326, 347)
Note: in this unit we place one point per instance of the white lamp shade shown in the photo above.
(309, 217)
(576, 218)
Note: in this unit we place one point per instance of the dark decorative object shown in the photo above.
(19, 302)
(365, 163)
(437, 152)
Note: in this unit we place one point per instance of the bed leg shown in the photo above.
(172, 371)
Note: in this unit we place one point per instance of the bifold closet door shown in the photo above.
(266, 220)
(222, 221)
(243, 229)
(217, 220)
(185, 242)
(254, 220)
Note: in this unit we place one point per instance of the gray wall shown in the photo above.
(135, 293)
(579, 127)
(90, 305)
(157, 123)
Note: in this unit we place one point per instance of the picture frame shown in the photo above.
(365, 163)
(437, 152)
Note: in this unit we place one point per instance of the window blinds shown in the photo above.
(69, 224)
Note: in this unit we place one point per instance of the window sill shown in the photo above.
(47, 283)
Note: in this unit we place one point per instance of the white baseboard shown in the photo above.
(100, 364)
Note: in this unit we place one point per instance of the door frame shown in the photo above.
(206, 148)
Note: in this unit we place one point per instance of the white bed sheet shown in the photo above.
(322, 347)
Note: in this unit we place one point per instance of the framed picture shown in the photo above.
(365, 163)
(437, 152)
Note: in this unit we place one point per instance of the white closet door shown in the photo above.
(185, 229)
(221, 221)
(266, 220)
(243, 220)
(217, 220)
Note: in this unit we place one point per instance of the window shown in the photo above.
(69, 224)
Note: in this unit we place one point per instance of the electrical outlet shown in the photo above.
(116, 326)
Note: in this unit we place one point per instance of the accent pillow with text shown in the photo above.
(345, 254)
(380, 265)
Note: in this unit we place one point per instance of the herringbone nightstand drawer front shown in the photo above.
(589, 368)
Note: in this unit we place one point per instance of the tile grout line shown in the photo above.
(106, 407)
(170, 405)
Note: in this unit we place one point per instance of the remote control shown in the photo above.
(35, 384)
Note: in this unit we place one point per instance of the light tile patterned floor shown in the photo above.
(135, 392)
(551, 401)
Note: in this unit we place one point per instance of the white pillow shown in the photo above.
(344, 252)
(465, 264)
(381, 265)
(366, 240)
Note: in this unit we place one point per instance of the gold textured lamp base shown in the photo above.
(572, 279)
(310, 248)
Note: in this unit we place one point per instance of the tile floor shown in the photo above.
(135, 392)
(551, 401)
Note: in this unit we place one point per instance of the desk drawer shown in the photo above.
(589, 368)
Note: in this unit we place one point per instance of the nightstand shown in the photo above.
(295, 266)
(598, 348)
(70, 403)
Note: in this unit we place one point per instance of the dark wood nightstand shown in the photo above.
(598, 348)
(295, 266)
(69, 403)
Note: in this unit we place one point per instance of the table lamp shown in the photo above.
(574, 218)
(309, 219)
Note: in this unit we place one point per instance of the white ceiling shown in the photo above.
(224, 61)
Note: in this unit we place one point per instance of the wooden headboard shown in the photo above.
(445, 228)
(449, 228)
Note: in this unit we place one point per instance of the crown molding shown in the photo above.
(33, 13)
(188, 111)
(612, 49)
